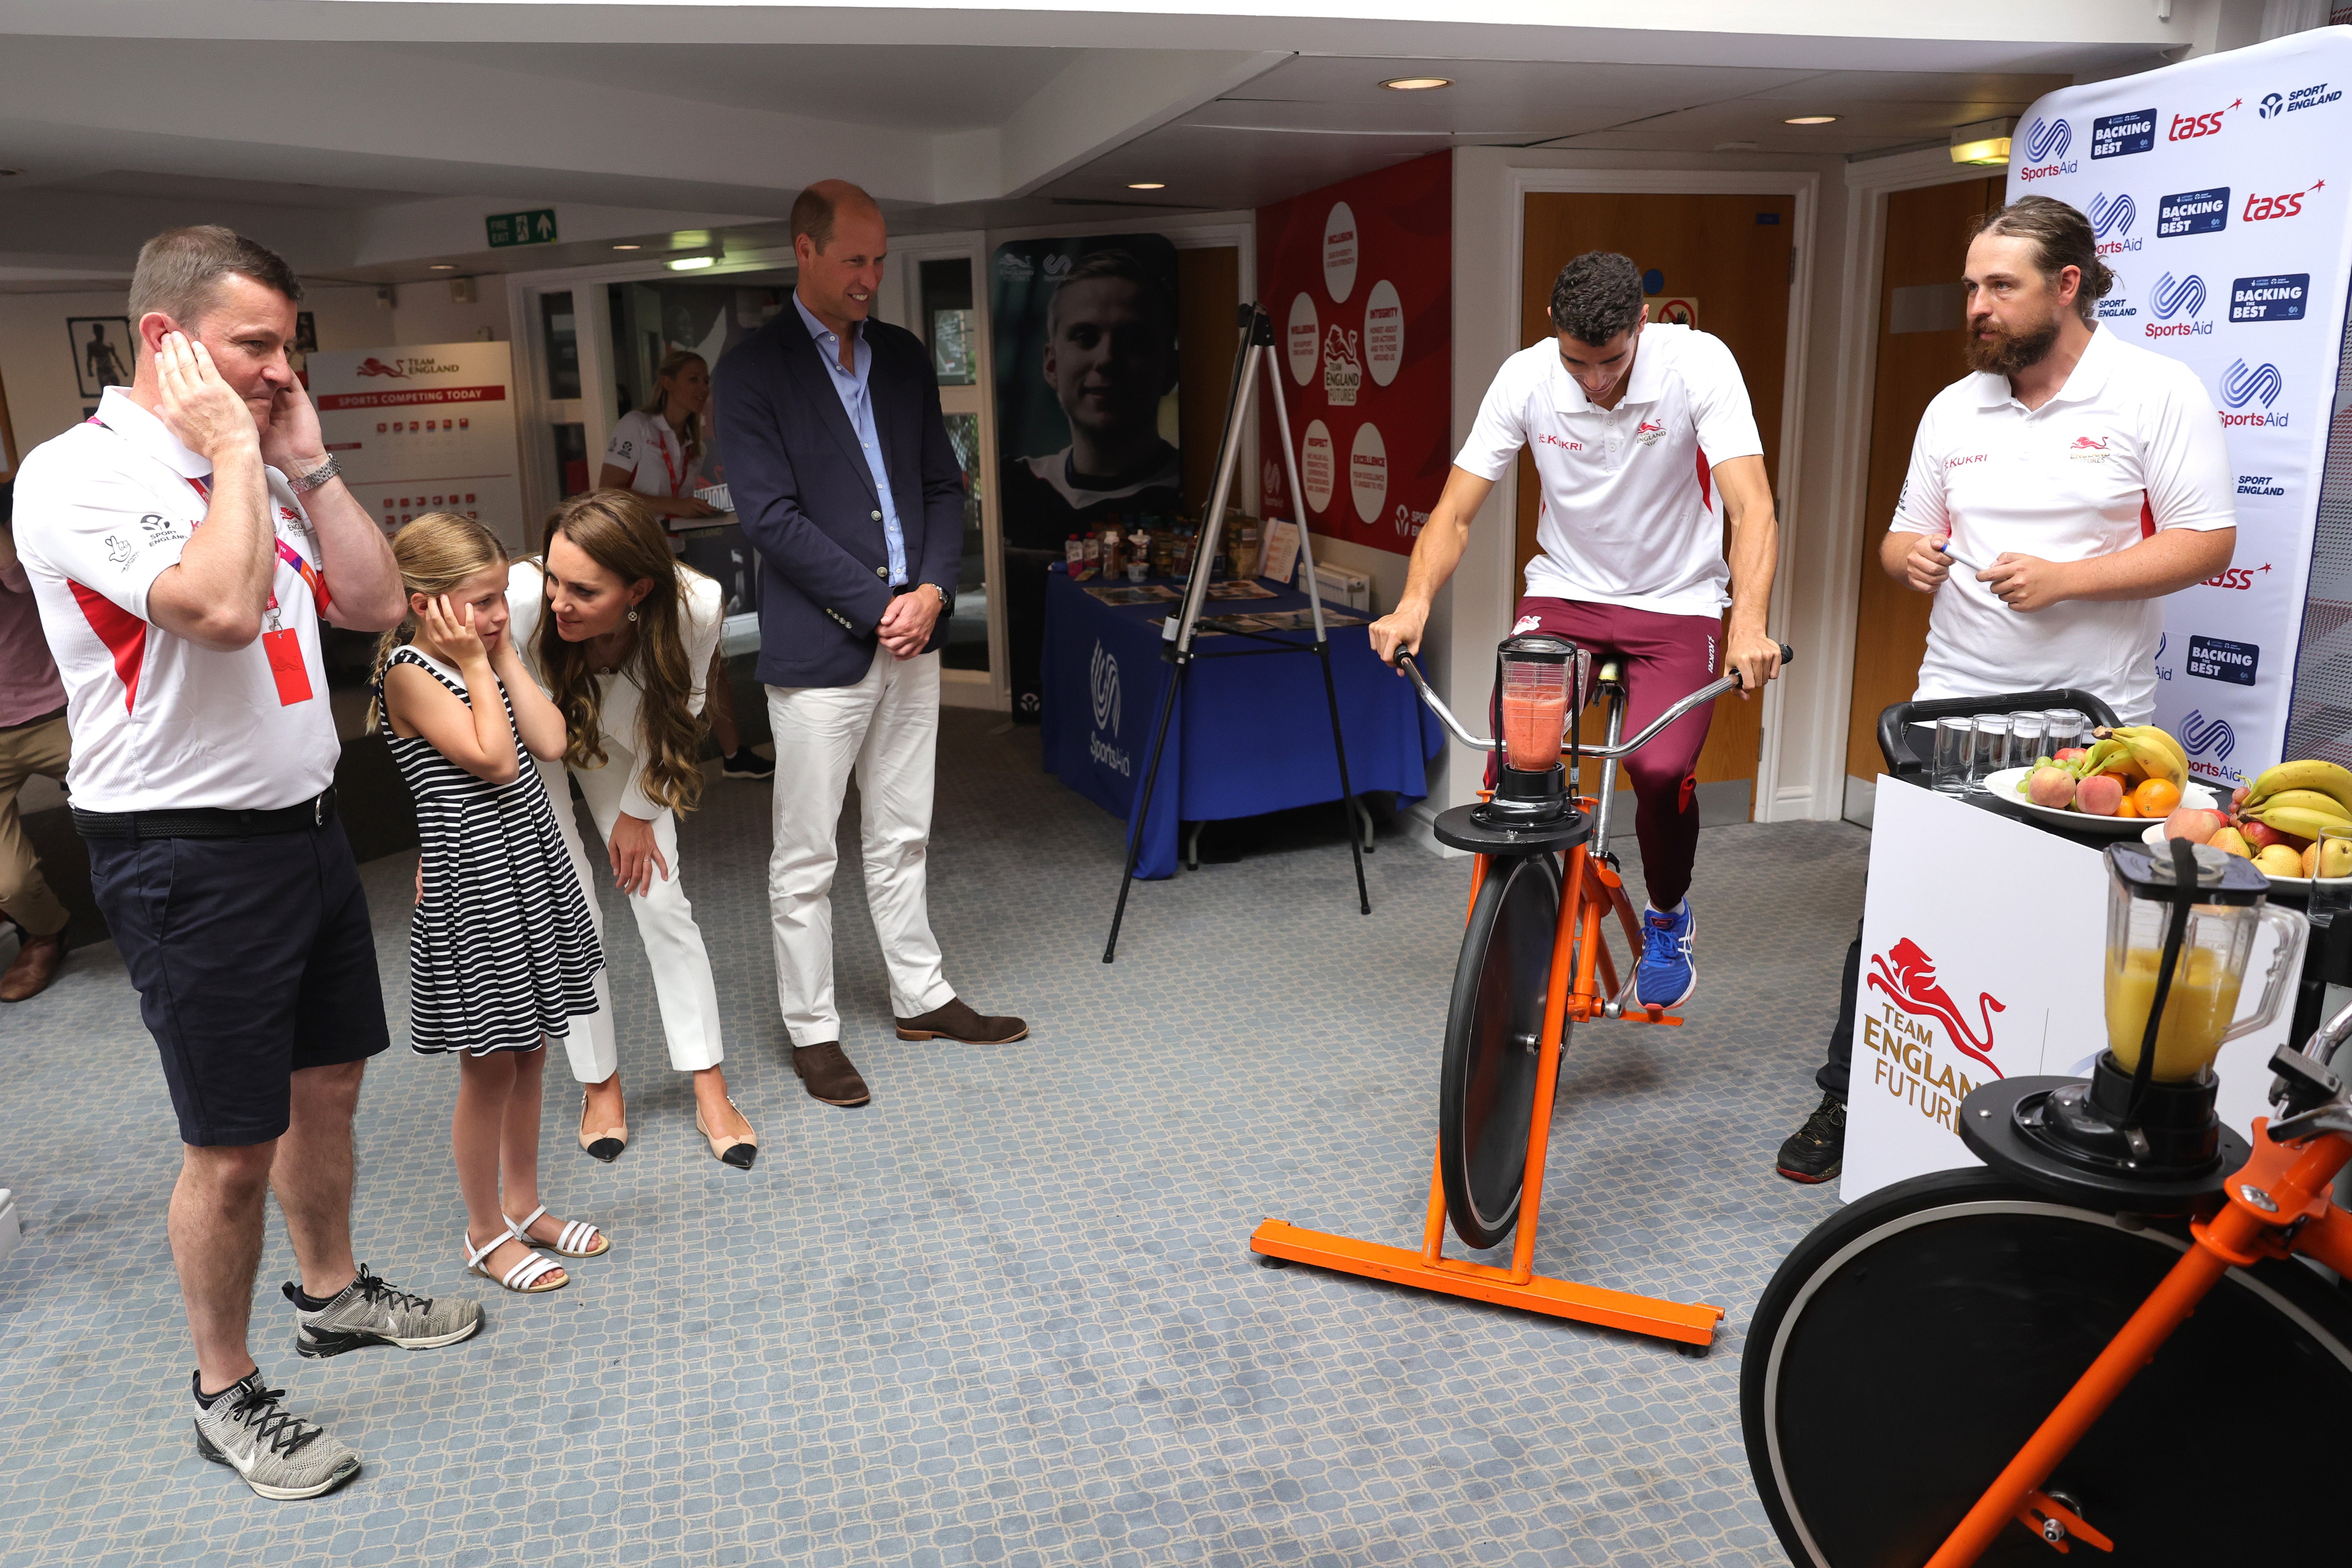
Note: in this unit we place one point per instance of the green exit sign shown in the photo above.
(521, 229)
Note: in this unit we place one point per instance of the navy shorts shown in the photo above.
(253, 959)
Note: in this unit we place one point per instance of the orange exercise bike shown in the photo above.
(2112, 1337)
(1535, 962)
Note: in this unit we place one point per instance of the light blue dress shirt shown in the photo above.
(851, 385)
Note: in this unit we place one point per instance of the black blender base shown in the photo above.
(1463, 828)
(1987, 1125)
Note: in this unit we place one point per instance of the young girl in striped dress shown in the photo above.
(500, 949)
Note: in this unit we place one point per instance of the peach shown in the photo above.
(2188, 822)
(2053, 787)
(2099, 794)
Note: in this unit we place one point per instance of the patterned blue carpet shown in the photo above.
(1006, 1314)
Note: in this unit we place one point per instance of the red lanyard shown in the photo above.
(663, 436)
(285, 552)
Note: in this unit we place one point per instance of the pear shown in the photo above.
(2230, 840)
(2278, 860)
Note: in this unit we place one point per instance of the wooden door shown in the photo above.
(1922, 336)
(1731, 254)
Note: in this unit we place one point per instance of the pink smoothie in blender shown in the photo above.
(1535, 713)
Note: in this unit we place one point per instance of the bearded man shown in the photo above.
(2090, 477)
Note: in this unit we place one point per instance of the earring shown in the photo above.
(633, 615)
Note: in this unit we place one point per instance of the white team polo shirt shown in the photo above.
(157, 721)
(1629, 513)
(644, 444)
(2131, 445)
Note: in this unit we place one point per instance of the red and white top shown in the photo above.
(157, 721)
(1629, 513)
(2130, 446)
(644, 444)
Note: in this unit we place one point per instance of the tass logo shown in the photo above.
(2111, 220)
(2189, 127)
(2261, 207)
(2183, 298)
(2241, 385)
(2201, 736)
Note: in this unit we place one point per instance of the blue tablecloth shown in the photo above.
(1252, 735)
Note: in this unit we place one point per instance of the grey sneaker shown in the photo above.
(280, 1455)
(371, 1313)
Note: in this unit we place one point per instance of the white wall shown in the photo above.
(37, 357)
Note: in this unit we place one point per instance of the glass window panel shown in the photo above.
(949, 322)
(967, 644)
(560, 337)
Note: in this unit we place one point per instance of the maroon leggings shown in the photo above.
(1667, 658)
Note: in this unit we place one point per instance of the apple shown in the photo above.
(2195, 826)
(2071, 754)
(2261, 836)
(2099, 794)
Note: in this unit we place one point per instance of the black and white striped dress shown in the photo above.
(500, 949)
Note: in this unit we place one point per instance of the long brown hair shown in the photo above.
(616, 532)
(671, 363)
(435, 553)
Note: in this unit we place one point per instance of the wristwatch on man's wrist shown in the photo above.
(303, 483)
(945, 602)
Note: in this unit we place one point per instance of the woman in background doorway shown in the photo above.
(619, 632)
(653, 452)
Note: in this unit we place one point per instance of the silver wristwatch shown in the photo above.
(303, 484)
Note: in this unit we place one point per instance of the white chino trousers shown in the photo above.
(886, 727)
(682, 986)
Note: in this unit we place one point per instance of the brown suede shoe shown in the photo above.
(828, 1074)
(959, 1023)
(37, 962)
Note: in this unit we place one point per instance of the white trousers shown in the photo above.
(886, 727)
(683, 988)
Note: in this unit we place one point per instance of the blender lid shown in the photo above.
(1538, 647)
(2221, 877)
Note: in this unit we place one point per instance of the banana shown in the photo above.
(2156, 759)
(2305, 800)
(2164, 738)
(2294, 820)
(2329, 779)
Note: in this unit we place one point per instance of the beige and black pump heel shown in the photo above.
(737, 1152)
(606, 1145)
(525, 1278)
(577, 1239)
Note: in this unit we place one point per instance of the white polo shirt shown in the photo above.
(1629, 513)
(157, 721)
(2130, 445)
(644, 444)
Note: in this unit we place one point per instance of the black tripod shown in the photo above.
(1255, 351)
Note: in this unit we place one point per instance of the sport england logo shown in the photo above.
(2189, 127)
(2119, 135)
(2241, 385)
(2176, 303)
(1409, 524)
(2111, 222)
(2192, 212)
(1102, 686)
(2046, 142)
(2279, 297)
(2260, 208)
(2272, 104)
(2275, 106)
(1917, 1019)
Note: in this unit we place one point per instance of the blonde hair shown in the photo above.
(616, 532)
(435, 553)
(671, 363)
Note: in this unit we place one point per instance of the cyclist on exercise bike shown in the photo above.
(1644, 445)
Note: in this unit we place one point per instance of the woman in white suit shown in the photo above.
(621, 634)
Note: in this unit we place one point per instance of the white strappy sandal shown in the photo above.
(524, 1279)
(577, 1239)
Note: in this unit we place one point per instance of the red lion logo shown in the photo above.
(374, 366)
(1909, 982)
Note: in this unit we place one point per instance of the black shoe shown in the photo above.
(747, 763)
(1816, 1152)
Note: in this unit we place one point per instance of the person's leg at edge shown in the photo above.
(589, 1048)
(736, 760)
(684, 988)
(215, 1228)
(487, 1088)
(311, 1176)
(26, 898)
(1816, 1150)
(896, 776)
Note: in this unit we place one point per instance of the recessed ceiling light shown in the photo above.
(10, 174)
(1147, 185)
(1416, 83)
(443, 267)
(692, 263)
(1810, 120)
(628, 248)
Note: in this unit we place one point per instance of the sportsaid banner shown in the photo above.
(2222, 193)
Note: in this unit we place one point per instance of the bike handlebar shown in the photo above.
(1705, 694)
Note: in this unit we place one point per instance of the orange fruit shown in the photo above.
(2157, 797)
(2127, 807)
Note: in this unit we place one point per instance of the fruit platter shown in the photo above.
(2126, 778)
(2276, 821)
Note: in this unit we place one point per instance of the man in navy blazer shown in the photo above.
(844, 481)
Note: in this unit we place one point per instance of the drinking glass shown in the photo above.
(1952, 759)
(2067, 727)
(2027, 742)
(1988, 748)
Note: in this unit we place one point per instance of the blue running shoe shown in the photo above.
(1666, 977)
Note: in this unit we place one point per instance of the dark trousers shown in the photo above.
(1838, 1070)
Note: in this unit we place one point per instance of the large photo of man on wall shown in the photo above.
(1086, 397)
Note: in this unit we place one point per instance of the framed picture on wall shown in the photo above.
(102, 350)
(306, 332)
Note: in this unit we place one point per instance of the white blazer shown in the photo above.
(703, 603)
